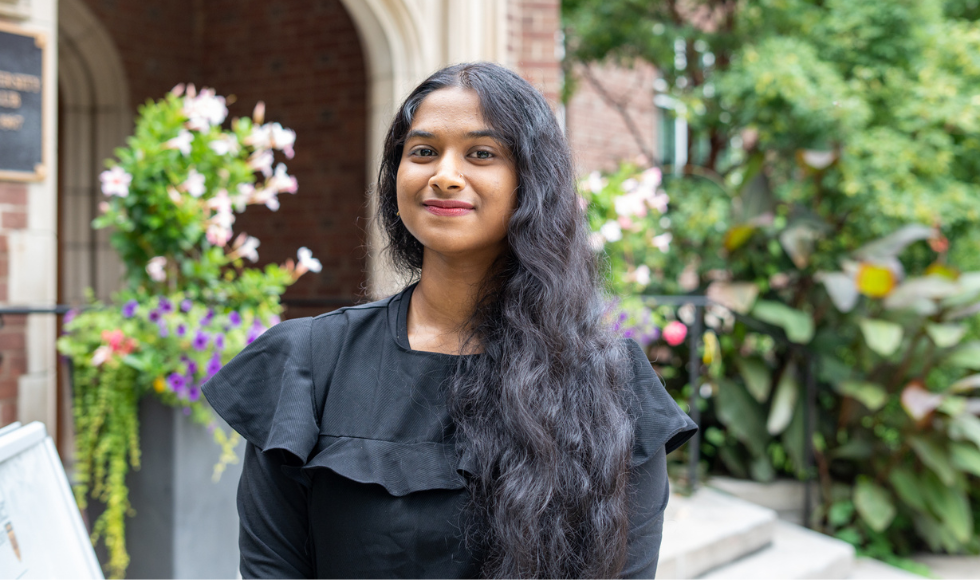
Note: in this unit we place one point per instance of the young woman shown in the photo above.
(484, 421)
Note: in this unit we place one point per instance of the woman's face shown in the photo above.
(457, 186)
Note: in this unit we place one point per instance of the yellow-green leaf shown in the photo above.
(882, 336)
(870, 395)
(783, 401)
(965, 457)
(966, 356)
(934, 457)
(874, 503)
(757, 376)
(797, 324)
(945, 335)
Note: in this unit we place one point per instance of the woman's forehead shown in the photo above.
(452, 110)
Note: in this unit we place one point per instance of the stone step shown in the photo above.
(795, 552)
(708, 530)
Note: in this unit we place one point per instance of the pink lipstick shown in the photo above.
(447, 207)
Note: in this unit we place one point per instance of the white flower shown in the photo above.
(244, 197)
(659, 202)
(631, 204)
(597, 241)
(217, 234)
(642, 275)
(630, 185)
(204, 110)
(662, 242)
(247, 246)
(261, 161)
(266, 195)
(281, 182)
(283, 139)
(101, 355)
(221, 202)
(194, 184)
(224, 145)
(307, 261)
(260, 138)
(651, 178)
(115, 182)
(182, 142)
(595, 182)
(155, 269)
(611, 231)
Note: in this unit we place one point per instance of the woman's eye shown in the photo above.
(483, 154)
(425, 152)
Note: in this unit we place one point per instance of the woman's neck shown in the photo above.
(441, 311)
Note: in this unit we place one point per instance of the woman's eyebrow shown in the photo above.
(419, 134)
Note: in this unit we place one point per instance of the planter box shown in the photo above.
(186, 526)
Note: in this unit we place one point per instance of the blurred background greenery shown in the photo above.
(827, 200)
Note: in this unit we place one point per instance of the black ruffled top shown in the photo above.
(351, 468)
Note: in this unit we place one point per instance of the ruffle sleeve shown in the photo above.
(266, 392)
(660, 423)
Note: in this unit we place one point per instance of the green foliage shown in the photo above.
(189, 303)
(830, 207)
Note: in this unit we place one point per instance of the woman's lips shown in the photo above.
(447, 207)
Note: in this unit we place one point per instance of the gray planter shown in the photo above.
(186, 526)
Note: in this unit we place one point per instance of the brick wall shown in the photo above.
(599, 136)
(13, 357)
(532, 42)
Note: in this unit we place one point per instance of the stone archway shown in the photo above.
(94, 119)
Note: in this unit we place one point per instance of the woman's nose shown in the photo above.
(448, 177)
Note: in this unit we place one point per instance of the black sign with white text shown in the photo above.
(21, 115)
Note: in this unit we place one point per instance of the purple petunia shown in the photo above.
(129, 308)
(154, 315)
(234, 318)
(219, 341)
(200, 341)
(207, 318)
(177, 383)
(191, 367)
(166, 306)
(69, 316)
(214, 365)
(181, 330)
(254, 332)
(164, 332)
(629, 333)
(193, 393)
(186, 305)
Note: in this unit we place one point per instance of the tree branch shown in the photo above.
(624, 113)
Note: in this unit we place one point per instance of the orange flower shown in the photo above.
(159, 385)
(875, 281)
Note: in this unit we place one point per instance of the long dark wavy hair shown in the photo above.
(544, 408)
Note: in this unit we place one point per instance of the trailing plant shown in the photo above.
(189, 303)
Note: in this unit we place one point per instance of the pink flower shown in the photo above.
(662, 242)
(115, 182)
(674, 333)
(283, 139)
(246, 246)
(307, 261)
(224, 145)
(261, 161)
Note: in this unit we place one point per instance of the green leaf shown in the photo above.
(841, 289)
(893, 244)
(966, 356)
(965, 427)
(797, 324)
(951, 506)
(934, 457)
(907, 487)
(761, 469)
(874, 504)
(737, 296)
(742, 415)
(965, 457)
(945, 335)
(783, 402)
(966, 384)
(757, 376)
(870, 395)
(882, 336)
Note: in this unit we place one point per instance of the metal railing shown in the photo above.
(694, 337)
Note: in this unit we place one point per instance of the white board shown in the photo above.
(41, 530)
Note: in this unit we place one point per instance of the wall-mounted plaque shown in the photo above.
(21, 104)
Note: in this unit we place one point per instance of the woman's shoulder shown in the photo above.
(659, 420)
